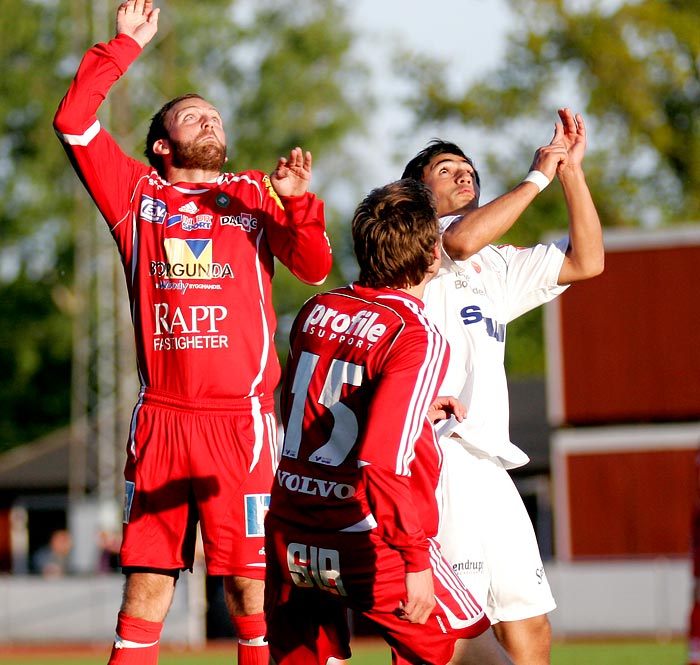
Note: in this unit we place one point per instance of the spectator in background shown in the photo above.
(108, 543)
(53, 559)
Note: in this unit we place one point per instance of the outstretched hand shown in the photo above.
(138, 19)
(549, 157)
(292, 175)
(573, 136)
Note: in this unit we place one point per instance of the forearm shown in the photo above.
(585, 257)
(99, 70)
(302, 244)
(389, 496)
(484, 225)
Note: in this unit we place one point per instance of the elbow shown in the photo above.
(461, 254)
(311, 282)
(459, 250)
(592, 268)
(62, 124)
(598, 266)
(314, 277)
(600, 269)
(59, 117)
(578, 271)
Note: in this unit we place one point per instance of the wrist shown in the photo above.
(572, 173)
(537, 178)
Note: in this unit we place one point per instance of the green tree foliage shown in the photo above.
(34, 240)
(282, 75)
(632, 69)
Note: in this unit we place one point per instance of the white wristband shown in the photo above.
(538, 178)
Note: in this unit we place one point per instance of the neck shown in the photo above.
(174, 175)
(416, 291)
(472, 205)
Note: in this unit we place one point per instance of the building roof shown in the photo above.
(40, 465)
(43, 465)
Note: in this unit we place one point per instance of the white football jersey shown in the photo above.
(472, 301)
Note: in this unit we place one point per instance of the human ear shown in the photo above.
(161, 147)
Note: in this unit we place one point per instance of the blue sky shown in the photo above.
(469, 34)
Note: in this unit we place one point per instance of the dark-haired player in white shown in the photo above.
(485, 530)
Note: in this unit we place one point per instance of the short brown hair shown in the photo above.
(395, 230)
(158, 131)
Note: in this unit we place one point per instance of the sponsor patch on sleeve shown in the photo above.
(271, 191)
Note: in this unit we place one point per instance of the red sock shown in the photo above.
(252, 647)
(136, 641)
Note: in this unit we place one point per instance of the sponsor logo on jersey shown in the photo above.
(358, 329)
(188, 223)
(152, 210)
(314, 486)
(222, 200)
(540, 575)
(256, 507)
(245, 220)
(190, 208)
(462, 281)
(271, 191)
(182, 286)
(465, 567)
(472, 314)
(193, 319)
(154, 180)
(185, 328)
(189, 259)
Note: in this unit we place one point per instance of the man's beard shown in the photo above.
(208, 156)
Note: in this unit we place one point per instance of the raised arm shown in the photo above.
(137, 19)
(585, 256)
(88, 145)
(480, 226)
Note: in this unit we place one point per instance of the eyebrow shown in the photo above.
(450, 161)
(199, 108)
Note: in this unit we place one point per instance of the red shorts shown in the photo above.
(213, 462)
(313, 579)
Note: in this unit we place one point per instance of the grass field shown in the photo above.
(375, 653)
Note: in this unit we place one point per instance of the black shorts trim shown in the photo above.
(168, 572)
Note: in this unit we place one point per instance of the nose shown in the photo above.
(464, 176)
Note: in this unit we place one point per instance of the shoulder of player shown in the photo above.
(353, 308)
(491, 256)
(496, 256)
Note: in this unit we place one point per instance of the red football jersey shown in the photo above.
(198, 258)
(359, 452)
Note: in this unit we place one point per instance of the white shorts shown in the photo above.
(487, 535)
